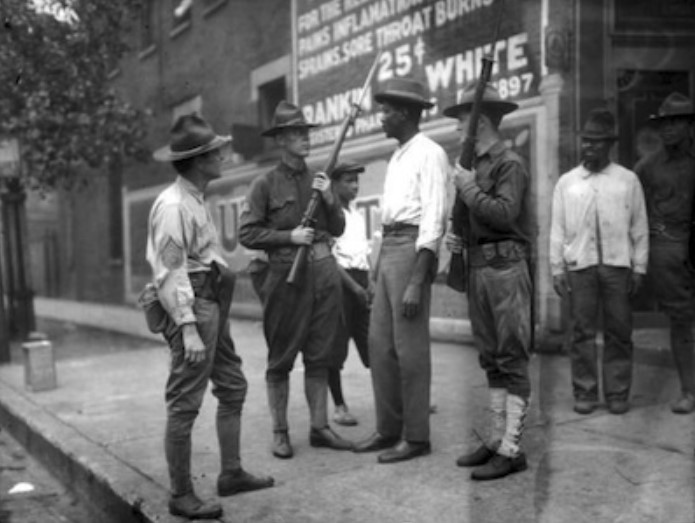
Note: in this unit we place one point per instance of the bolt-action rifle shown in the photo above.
(309, 215)
(457, 276)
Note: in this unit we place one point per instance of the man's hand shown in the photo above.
(453, 243)
(561, 285)
(302, 236)
(323, 184)
(463, 177)
(635, 283)
(411, 300)
(194, 349)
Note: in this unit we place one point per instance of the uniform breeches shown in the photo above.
(672, 279)
(303, 317)
(499, 303)
(399, 347)
(187, 382)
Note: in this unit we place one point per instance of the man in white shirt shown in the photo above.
(414, 213)
(599, 243)
(351, 251)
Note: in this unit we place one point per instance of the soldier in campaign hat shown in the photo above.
(304, 316)
(668, 178)
(188, 302)
(491, 220)
(414, 207)
(599, 246)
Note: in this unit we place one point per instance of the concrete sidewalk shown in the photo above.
(101, 431)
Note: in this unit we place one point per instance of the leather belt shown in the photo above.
(399, 228)
(496, 252)
(319, 251)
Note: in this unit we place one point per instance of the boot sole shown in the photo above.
(327, 445)
(205, 515)
(520, 468)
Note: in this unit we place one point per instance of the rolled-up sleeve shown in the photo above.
(433, 197)
(168, 236)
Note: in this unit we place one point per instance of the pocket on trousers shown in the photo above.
(155, 315)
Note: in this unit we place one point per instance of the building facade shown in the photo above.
(233, 60)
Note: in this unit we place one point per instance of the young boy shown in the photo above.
(351, 252)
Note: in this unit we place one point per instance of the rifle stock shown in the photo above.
(308, 216)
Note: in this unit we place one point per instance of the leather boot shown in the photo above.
(682, 349)
(278, 394)
(228, 435)
(177, 449)
(190, 506)
(321, 435)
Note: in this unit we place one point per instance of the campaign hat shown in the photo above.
(405, 91)
(190, 136)
(491, 102)
(287, 116)
(599, 125)
(675, 105)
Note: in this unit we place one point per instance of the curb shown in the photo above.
(115, 490)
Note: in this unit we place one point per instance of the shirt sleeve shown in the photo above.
(501, 209)
(433, 185)
(169, 233)
(557, 232)
(255, 231)
(639, 229)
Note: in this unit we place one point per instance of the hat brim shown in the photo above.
(500, 107)
(403, 97)
(685, 116)
(337, 173)
(279, 128)
(165, 154)
(594, 136)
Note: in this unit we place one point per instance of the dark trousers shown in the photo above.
(354, 322)
(499, 307)
(673, 281)
(301, 318)
(592, 288)
(399, 348)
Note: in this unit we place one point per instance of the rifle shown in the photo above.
(457, 275)
(308, 218)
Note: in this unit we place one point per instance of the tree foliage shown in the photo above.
(55, 93)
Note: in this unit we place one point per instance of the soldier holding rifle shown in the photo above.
(300, 317)
(491, 213)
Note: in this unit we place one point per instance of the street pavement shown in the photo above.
(101, 431)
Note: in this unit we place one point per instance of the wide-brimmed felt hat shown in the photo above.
(287, 116)
(191, 136)
(346, 167)
(599, 125)
(405, 91)
(675, 105)
(492, 101)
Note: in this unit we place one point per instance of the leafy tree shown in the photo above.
(55, 94)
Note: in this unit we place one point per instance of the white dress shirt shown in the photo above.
(415, 190)
(598, 217)
(182, 238)
(351, 249)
